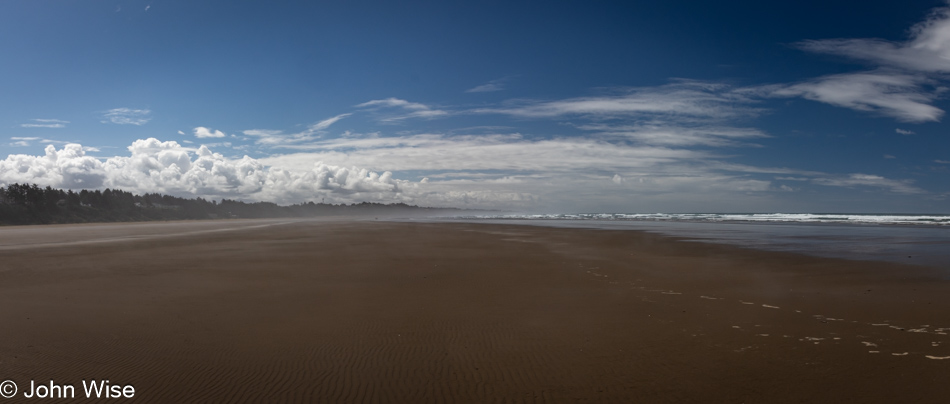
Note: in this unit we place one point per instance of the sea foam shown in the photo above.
(901, 219)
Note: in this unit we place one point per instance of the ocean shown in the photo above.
(908, 239)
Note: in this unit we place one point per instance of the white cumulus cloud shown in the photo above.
(203, 132)
(167, 167)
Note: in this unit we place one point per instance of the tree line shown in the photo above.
(31, 204)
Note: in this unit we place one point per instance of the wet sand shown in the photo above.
(365, 311)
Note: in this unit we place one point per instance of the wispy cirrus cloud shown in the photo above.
(491, 86)
(907, 78)
(869, 180)
(127, 116)
(683, 99)
(853, 180)
(45, 123)
(927, 49)
(509, 152)
(403, 110)
(267, 136)
(509, 170)
(679, 114)
(271, 137)
(659, 133)
(885, 92)
(23, 141)
(20, 141)
(544, 167)
(324, 124)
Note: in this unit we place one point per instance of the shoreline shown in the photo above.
(748, 222)
(386, 311)
(929, 246)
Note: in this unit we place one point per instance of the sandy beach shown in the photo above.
(377, 312)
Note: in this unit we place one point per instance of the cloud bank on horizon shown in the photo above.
(680, 145)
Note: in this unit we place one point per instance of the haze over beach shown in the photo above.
(490, 202)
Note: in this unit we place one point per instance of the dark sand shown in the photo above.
(405, 312)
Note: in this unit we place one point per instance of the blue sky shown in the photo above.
(571, 107)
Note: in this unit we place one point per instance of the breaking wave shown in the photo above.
(902, 219)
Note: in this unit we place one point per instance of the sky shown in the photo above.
(677, 106)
